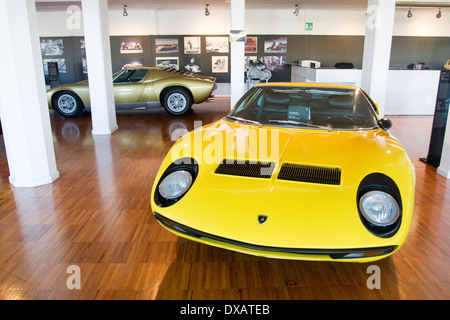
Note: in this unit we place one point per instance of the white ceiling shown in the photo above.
(221, 4)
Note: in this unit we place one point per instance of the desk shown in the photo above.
(408, 92)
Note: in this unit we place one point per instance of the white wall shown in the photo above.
(194, 22)
(423, 23)
(326, 22)
(139, 22)
(54, 23)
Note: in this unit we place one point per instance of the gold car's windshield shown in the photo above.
(312, 107)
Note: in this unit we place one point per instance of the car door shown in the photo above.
(148, 93)
(128, 86)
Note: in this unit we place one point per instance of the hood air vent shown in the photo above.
(246, 168)
(312, 174)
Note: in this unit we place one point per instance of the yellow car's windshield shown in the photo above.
(313, 107)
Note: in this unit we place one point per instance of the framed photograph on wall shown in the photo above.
(166, 45)
(52, 47)
(167, 62)
(132, 62)
(192, 64)
(275, 63)
(275, 45)
(192, 45)
(219, 64)
(83, 47)
(84, 65)
(217, 45)
(251, 44)
(131, 45)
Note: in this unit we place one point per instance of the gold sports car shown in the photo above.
(139, 86)
(296, 171)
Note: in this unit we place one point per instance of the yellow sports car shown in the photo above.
(136, 87)
(294, 171)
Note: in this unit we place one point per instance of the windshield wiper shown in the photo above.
(299, 123)
(244, 120)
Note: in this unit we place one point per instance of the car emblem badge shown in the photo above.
(262, 218)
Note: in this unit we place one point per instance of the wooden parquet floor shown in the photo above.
(97, 216)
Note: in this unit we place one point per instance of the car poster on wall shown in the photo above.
(275, 45)
(219, 64)
(275, 63)
(167, 62)
(132, 62)
(52, 47)
(251, 44)
(217, 45)
(131, 45)
(166, 45)
(192, 45)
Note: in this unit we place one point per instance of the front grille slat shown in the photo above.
(246, 168)
(288, 171)
(311, 174)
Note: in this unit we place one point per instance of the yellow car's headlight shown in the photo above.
(379, 204)
(175, 184)
(379, 208)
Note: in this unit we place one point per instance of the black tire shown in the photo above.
(67, 104)
(177, 101)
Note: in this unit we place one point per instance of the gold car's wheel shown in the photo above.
(67, 104)
(177, 101)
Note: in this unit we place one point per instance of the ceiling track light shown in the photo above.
(439, 15)
(125, 12)
(409, 15)
(207, 13)
(297, 9)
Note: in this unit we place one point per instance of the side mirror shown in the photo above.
(385, 124)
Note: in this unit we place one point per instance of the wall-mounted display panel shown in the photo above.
(195, 52)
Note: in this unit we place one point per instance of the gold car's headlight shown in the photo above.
(379, 208)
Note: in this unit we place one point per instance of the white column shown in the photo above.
(377, 49)
(237, 56)
(444, 166)
(23, 103)
(98, 56)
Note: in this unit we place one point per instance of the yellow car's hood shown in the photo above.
(299, 214)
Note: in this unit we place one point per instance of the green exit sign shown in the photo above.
(308, 26)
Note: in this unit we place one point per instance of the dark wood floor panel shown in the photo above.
(97, 216)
